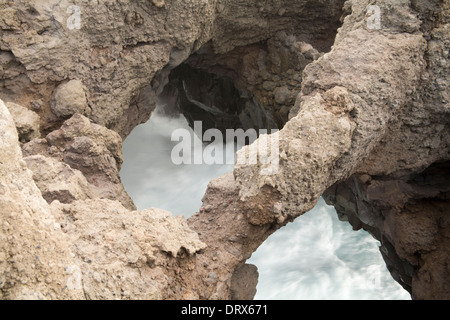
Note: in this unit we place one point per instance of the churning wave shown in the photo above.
(315, 257)
(319, 257)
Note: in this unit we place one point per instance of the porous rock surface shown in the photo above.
(27, 122)
(89, 249)
(30, 236)
(364, 118)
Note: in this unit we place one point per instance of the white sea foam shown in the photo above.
(315, 257)
(150, 177)
(320, 257)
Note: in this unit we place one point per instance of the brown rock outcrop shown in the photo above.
(367, 124)
(70, 98)
(27, 122)
(30, 237)
(58, 181)
(123, 54)
(85, 147)
(91, 249)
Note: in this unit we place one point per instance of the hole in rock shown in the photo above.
(315, 257)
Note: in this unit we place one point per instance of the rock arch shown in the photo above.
(370, 116)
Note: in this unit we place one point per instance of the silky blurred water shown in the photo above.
(150, 177)
(315, 257)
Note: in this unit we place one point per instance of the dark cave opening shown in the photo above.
(250, 87)
(211, 99)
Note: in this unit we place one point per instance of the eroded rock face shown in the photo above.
(123, 254)
(123, 52)
(27, 122)
(267, 77)
(86, 148)
(400, 190)
(30, 237)
(70, 98)
(368, 126)
(58, 181)
(89, 249)
(409, 216)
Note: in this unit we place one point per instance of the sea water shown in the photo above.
(315, 257)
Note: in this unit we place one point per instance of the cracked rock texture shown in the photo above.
(34, 256)
(27, 122)
(89, 249)
(123, 254)
(363, 112)
(83, 147)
